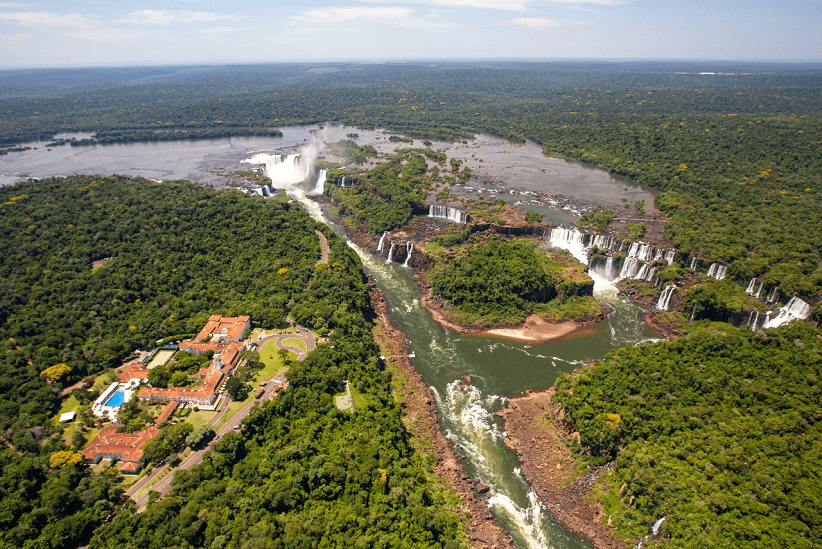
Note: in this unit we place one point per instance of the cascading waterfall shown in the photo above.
(466, 415)
(382, 241)
(390, 254)
(693, 263)
(342, 185)
(795, 309)
(717, 271)
(319, 188)
(629, 268)
(750, 289)
(670, 256)
(693, 313)
(643, 272)
(446, 212)
(772, 295)
(759, 291)
(409, 248)
(664, 302)
(753, 319)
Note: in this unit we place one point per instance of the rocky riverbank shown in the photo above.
(535, 432)
(422, 420)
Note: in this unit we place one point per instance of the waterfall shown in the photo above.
(692, 264)
(382, 241)
(390, 254)
(750, 289)
(632, 251)
(772, 295)
(650, 276)
(319, 188)
(670, 256)
(753, 319)
(693, 312)
(759, 291)
(643, 272)
(658, 256)
(572, 240)
(629, 268)
(664, 301)
(343, 183)
(717, 271)
(794, 309)
(409, 248)
(446, 212)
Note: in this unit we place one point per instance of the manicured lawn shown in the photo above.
(270, 356)
(198, 419)
(160, 358)
(233, 408)
(295, 342)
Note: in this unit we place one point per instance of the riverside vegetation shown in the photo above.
(718, 431)
(299, 471)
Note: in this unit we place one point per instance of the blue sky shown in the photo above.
(48, 33)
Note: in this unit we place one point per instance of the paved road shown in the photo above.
(324, 244)
(159, 470)
(196, 457)
(305, 335)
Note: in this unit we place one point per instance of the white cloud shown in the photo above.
(339, 15)
(545, 23)
(48, 19)
(507, 5)
(165, 17)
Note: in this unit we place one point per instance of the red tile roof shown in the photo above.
(232, 327)
(124, 446)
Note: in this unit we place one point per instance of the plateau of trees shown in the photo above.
(178, 253)
(502, 281)
(718, 432)
(735, 155)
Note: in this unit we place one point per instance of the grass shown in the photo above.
(233, 408)
(270, 356)
(295, 342)
(198, 419)
(103, 380)
(71, 404)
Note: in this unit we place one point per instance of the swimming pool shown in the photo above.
(116, 399)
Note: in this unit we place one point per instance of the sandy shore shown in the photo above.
(534, 330)
(534, 431)
(421, 419)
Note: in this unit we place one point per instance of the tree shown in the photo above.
(56, 373)
(236, 389)
(60, 459)
(533, 217)
(200, 436)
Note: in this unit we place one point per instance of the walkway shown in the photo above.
(324, 244)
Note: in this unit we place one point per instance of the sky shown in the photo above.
(65, 33)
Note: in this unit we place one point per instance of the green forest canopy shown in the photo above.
(735, 154)
(175, 254)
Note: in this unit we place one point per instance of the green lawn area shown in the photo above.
(233, 408)
(102, 381)
(198, 419)
(295, 342)
(270, 356)
(71, 404)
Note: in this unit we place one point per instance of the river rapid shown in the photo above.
(498, 368)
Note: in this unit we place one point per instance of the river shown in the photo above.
(498, 368)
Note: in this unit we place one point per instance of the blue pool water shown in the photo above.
(116, 399)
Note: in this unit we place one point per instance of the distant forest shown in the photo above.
(737, 155)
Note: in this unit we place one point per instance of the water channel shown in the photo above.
(498, 368)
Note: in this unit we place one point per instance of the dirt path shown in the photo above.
(551, 469)
(421, 419)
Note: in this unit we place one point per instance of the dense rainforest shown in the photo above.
(503, 281)
(719, 433)
(96, 267)
(735, 153)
